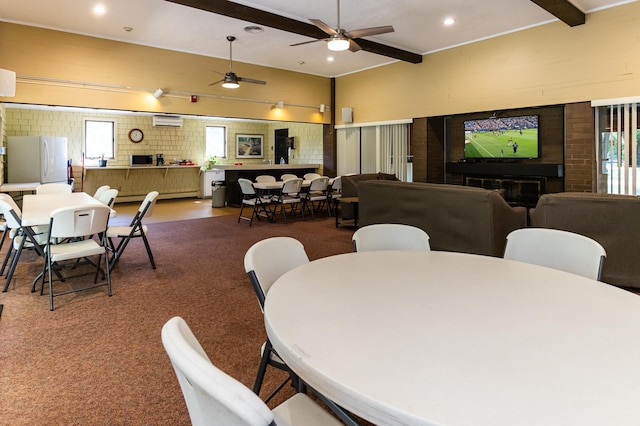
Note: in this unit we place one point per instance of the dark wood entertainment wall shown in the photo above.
(566, 161)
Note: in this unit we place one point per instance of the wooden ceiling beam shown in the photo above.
(257, 16)
(563, 10)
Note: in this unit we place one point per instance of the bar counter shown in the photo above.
(233, 195)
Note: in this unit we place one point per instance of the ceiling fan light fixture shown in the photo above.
(230, 82)
(338, 43)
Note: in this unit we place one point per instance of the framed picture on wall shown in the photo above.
(249, 146)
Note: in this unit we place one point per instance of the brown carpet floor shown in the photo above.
(99, 360)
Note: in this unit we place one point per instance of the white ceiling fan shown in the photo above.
(340, 39)
(231, 80)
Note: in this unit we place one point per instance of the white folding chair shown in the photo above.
(136, 229)
(288, 176)
(390, 236)
(259, 204)
(21, 237)
(265, 262)
(108, 197)
(334, 193)
(53, 188)
(215, 398)
(290, 195)
(316, 197)
(562, 250)
(69, 239)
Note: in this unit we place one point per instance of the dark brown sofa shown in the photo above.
(612, 220)
(457, 218)
(350, 188)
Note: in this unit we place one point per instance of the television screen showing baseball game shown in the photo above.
(506, 137)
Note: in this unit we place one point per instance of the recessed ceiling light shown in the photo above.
(99, 9)
(449, 21)
(253, 29)
(329, 58)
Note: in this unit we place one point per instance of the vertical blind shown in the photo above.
(372, 149)
(617, 146)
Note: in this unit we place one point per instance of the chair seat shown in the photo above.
(300, 409)
(124, 231)
(75, 250)
(254, 201)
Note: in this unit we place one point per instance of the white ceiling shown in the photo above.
(418, 26)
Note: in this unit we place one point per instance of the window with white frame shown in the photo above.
(215, 142)
(99, 138)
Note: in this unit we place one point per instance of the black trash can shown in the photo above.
(217, 194)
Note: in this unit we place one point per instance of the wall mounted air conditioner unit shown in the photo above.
(167, 121)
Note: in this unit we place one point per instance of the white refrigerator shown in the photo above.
(36, 159)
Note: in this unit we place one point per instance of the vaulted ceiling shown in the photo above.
(201, 26)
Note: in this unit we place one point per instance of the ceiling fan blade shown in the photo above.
(353, 46)
(364, 32)
(250, 80)
(324, 27)
(310, 41)
(216, 82)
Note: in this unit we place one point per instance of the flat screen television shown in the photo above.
(502, 138)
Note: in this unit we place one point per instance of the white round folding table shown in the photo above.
(426, 338)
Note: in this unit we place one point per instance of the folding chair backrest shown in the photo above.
(288, 176)
(292, 186)
(562, 250)
(212, 396)
(9, 199)
(269, 259)
(336, 185)
(319, 184)
(53, 188)
(146, 207)
(246, 186)
(11, 215)
(108, 197)
(69, 222)
(265, 178)
(390, 236)
(100, 190)
(311, 176)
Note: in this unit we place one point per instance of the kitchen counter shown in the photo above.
(135, 182)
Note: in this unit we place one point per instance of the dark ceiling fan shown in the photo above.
(342, 40)
(231, 80)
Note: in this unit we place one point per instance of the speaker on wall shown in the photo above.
(347, 115)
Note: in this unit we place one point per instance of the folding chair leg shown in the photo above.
(6, 259)
(146, 244)
(14, 263)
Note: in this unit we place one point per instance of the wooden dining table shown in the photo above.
(440, 338)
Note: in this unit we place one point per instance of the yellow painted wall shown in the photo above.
(545, 65)
(42, 53)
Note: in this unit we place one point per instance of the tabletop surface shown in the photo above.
(36, 209)
(449, 338)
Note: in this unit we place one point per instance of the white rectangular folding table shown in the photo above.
(425, 338)
(36, 209)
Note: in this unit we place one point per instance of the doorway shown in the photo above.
(281, 150)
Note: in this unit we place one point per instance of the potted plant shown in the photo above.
(102, 162)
